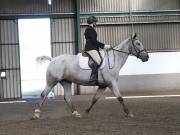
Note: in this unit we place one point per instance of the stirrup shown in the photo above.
(94, 80)
(93, 77)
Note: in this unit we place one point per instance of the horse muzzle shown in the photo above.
(144, 57)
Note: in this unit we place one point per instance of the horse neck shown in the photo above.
(120, 57)
(123, 46)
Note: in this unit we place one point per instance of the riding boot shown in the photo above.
(94, 73)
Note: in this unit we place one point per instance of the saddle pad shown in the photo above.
(83, 61)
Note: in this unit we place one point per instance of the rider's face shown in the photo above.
(94, 24)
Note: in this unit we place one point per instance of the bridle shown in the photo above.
(137, 52)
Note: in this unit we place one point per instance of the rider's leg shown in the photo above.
(94, 73)
(95, 56)
(97, 61)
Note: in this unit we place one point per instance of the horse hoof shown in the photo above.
(34, 117)
(36, 114)
(76, 114)
(86, 111)
(130, 115)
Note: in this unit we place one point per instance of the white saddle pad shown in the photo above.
(83, 61)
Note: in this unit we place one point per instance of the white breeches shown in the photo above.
(95, 56)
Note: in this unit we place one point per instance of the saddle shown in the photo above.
(85, 60)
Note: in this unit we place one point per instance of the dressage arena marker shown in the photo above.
(154, 96)
(11, 102)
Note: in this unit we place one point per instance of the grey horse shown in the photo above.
(65, 69)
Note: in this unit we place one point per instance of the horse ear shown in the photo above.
(134, 35)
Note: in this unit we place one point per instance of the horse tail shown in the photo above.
(41, 59)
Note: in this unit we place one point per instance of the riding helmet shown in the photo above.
(91, 19)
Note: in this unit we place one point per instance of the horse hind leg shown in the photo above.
(44, 95)
(67, 97)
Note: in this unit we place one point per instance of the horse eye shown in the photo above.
(138, 44)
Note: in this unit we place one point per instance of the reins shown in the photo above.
(114, 56)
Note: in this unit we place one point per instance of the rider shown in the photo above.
(92, 46)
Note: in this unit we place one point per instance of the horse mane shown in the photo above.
(119, 46)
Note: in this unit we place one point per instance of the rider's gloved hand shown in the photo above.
(107, 47)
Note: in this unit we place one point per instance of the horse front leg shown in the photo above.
(116, 92)
(98, 94)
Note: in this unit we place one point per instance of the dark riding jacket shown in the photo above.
(91, 40)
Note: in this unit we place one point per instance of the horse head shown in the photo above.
(136, 48)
